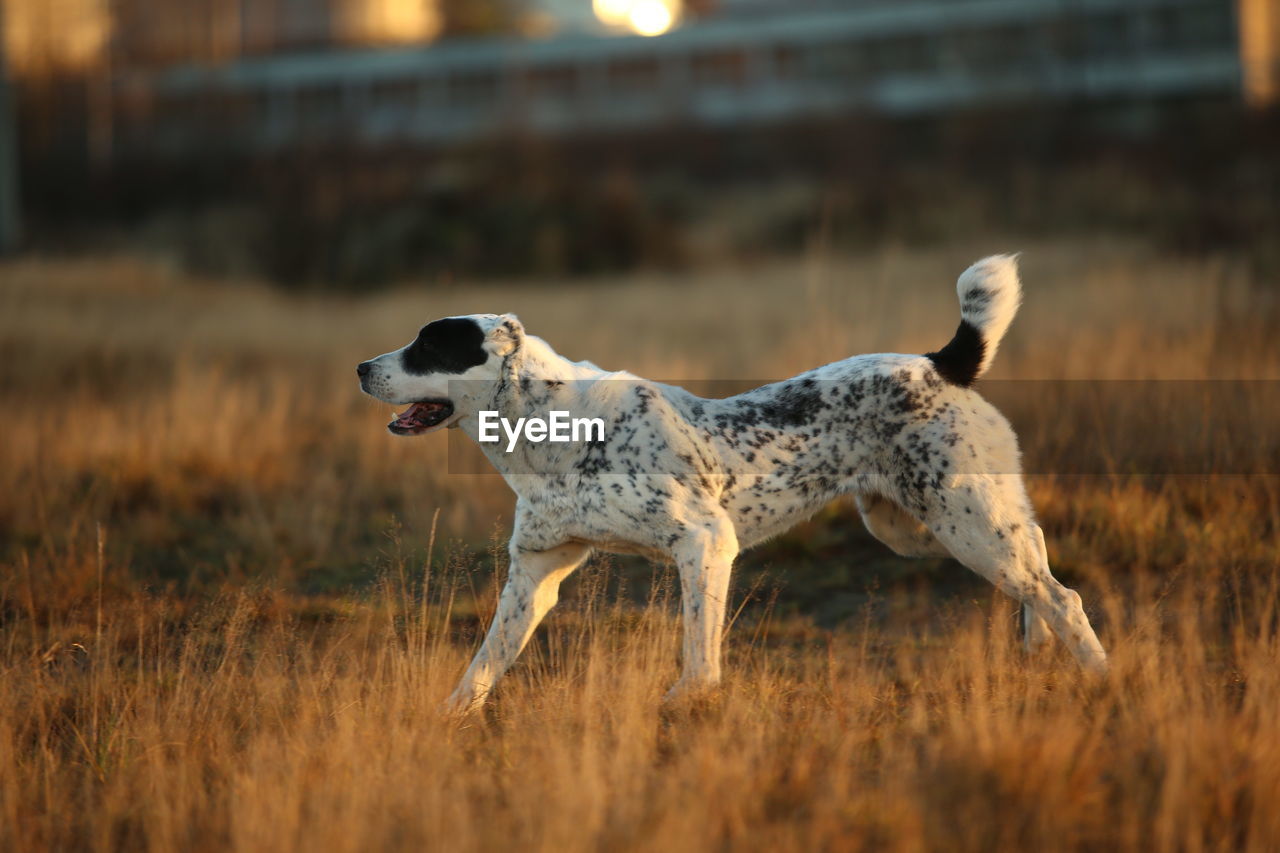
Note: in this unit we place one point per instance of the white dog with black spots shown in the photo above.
(934, 469)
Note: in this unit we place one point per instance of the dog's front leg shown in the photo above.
(532, 589)
(705, 561)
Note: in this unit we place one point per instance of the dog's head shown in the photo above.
(470, 348)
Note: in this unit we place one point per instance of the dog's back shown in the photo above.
(882, 424)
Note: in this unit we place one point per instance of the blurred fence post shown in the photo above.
(1259, 22)
(10, 213)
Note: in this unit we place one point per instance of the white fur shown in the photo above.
(990, 294)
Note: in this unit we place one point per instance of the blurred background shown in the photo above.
(352, 143)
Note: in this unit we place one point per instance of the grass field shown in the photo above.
(230, 602)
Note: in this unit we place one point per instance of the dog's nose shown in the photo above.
(363, 368)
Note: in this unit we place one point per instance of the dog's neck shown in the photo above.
(536, 360)
(535, 375)
(534, 381)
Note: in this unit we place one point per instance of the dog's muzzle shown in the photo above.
(421, 417)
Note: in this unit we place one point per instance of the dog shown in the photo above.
(933, 467)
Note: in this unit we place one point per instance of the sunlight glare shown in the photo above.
(612, 13)
(643, 17)
(650, 17)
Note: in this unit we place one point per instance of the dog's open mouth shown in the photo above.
(421, 417)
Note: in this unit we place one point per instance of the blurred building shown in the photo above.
(56, 36)
(263, 75)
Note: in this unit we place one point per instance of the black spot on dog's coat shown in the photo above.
(792, 407)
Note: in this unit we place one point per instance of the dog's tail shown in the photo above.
(989, 297)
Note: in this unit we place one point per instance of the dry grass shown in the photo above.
(189, 480)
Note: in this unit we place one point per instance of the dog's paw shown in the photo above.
(1097, 665)
(462, 707)
(692, 697)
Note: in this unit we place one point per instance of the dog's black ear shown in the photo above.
(507, 335)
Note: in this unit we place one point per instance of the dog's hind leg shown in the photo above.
(532, 589)
(704, 558)
(895, 527)
(907, 537)
(986, 522)
(1036, 634)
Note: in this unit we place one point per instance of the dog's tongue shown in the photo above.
(416, 414)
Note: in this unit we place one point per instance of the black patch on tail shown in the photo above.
(959, 360)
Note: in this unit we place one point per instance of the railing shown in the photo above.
(903, 58)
